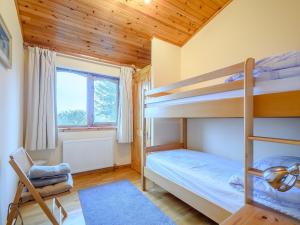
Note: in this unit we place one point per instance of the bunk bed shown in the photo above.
(200, 179)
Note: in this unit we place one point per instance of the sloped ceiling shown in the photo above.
(114, 30)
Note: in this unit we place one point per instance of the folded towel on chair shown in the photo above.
(42, 182)
(48, 171)
(50, 189)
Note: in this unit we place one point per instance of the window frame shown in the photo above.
(91, 77)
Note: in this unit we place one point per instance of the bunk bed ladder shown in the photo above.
(249, 137)
(248, 126)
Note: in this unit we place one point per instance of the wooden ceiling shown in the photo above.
(118, 31)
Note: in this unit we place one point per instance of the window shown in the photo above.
(86, 99)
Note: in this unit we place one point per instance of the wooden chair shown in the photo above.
(21, 163)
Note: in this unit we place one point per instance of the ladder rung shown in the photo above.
(255, 172)
(259, 173)
(276, 140)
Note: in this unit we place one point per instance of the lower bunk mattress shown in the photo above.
(208, 176)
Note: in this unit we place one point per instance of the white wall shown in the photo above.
(165, 69)
(165, 62)
(256, 28)
(122, 151)
(11, 103)
(165, 131)
(224, 137)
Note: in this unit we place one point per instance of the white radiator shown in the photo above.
(88, 154)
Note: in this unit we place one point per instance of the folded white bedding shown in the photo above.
(290, 198)
(279, 74)
(272, 68)
(286, 202)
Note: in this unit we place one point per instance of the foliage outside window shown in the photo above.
(85, 99)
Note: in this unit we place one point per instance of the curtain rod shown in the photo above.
(88, 59)
(82, 57)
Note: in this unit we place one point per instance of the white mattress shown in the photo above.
(262, 87)
(208, 176)
(204, 174)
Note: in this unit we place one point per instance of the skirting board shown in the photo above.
(211, 210)
(103, 170)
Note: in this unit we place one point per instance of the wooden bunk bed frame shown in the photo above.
(274, 105)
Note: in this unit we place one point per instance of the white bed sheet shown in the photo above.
(208, 175)
(204, 174)
(262, 87)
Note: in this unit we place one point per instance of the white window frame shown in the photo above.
(90, 98)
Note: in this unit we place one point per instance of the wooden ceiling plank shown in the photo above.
(159, 12)
(209, 3)
(79, 42)
(192, 8)
(184, 10)
(82, 12)
(119, 30)
(125, 17)
(172, 6)
(137, 51)
(61, 46)
(58, 18)
(136, 19)
(44, 27)
(88, 31)
(75, 51)
(196, 18)
(221, 3)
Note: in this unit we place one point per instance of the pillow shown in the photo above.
(276, 161)
(289, 198)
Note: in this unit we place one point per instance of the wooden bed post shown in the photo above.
(144, 141)
(248, 126)
(184, 132)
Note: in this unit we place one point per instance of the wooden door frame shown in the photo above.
(138, 78)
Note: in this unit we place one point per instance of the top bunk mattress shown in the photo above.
(208, 176)
(261, 87)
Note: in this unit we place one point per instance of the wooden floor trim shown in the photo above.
(102, 170)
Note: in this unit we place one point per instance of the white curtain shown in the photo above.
(125, 123)
(41, 121)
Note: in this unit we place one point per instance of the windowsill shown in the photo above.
(74, 129)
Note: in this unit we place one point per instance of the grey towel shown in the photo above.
(48, 171)
(42, 182)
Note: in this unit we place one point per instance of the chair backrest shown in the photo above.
(22, 159)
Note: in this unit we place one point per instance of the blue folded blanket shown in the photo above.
(44, 172)
(42, 182)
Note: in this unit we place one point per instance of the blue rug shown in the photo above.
(119, 203)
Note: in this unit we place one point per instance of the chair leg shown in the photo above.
(144, 184)
(59, 205)
(12, 213)
(47, 211)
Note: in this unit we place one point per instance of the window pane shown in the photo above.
(105, 101)
(71, 99)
